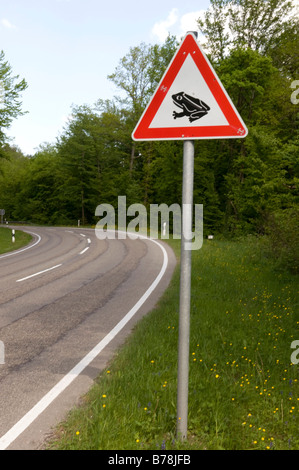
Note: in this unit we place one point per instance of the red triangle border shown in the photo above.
(236, 127)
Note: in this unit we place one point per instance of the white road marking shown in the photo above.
(23, 249)
(88, 240)
(40, 272)
(32, 414)
(83, 251)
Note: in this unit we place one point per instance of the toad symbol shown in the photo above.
(192, 107)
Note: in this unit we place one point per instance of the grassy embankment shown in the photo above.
(6, 244)
(243, 386)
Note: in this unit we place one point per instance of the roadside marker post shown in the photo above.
(190, 103)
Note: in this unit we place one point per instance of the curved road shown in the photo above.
(67, 302)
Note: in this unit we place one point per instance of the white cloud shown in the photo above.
(161, 29)
(188, 22)
(7, 24)
(176, 25)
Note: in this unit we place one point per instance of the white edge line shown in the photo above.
(23, 249)
(40, 272)
(32, 414)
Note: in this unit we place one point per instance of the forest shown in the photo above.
(246, 186)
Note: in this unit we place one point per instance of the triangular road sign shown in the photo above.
(190, 102)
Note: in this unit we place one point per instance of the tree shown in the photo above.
(13, 175)
(132, 77)
(92, 154)
(252, 45)
(254, 24)
(78, 152)
(10, 90)
(138, 74)
(257, 24)
(41, 188)
(214, 28)
(251, 174)
(283, 52)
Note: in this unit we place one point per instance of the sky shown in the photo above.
(65, 49)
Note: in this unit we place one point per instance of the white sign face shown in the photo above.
(189, 95)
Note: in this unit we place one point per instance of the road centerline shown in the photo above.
(83, 251)
(40, 272)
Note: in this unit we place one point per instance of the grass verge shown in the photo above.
(6, 244)
(243, 386)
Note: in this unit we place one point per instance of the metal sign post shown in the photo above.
(185, 291)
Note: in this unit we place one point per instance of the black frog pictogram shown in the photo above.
(193, 108)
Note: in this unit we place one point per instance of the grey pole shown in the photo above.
(185, 291)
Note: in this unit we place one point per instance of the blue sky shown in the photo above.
(66, 48)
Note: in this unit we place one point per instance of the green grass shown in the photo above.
(6, 244)
(243, 388)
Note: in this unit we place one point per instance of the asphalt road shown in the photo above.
(67, 302)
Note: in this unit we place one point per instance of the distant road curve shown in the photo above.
(67, 301)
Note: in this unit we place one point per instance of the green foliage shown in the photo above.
(259, 183)
(252, 24)
(10, 90)
(140, 71)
